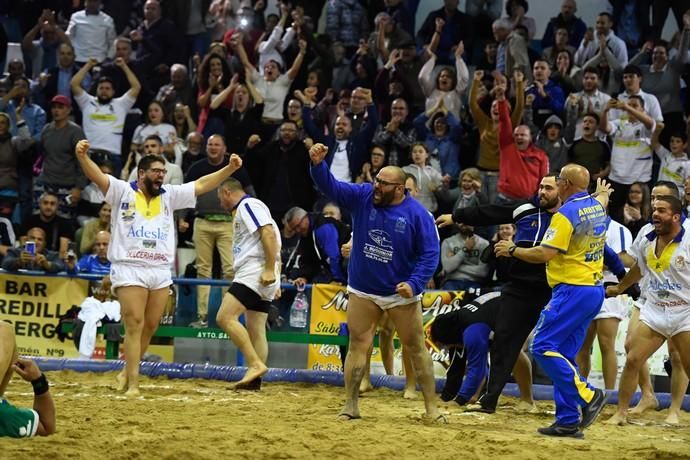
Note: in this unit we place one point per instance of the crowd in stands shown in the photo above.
(472, 105)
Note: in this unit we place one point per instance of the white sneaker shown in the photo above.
(199, 324)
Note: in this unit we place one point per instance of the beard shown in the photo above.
(548, 204)
(465, 231)
(152, 188)
(384, 199)
(104, 100)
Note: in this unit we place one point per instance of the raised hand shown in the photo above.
(301, 96)
(310, 92)
(82, 148)
(460, 49)
(603, 187)
(440, 22)
(317, 153)
(589, 35)
(235, 161)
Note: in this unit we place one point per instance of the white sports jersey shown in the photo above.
(631, 154)
(618, 238)
(144, 233)
(250, 215)
(103, 123)
(665, 277)
(635, 251)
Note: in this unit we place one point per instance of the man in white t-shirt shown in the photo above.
(631, 155)
(256, 251)
(142, 246)
(103, 115)
(92, 32)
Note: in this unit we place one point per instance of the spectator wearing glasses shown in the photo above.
(395, 251)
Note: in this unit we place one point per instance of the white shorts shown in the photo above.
(386, 302)
(667, 321)
(250, 273)
(614, 307)
(148, 277)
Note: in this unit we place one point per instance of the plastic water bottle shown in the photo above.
(299, 309)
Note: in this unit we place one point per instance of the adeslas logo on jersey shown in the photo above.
(666, 285)
(141, 232)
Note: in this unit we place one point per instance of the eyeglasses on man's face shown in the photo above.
(384, 183)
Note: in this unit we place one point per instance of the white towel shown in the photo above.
(92, 312)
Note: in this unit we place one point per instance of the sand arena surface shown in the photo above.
(190, 419)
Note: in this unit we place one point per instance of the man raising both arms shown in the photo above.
(395, 250)
(142, 248)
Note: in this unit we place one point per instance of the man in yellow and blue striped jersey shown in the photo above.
(573, 249)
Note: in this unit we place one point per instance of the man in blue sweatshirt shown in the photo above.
(395, 251)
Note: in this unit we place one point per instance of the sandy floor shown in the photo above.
(181, 419)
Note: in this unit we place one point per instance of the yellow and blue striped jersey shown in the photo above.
(578, 232)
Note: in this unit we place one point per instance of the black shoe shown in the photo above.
(477, 407)
(592, 410)
(563, 431)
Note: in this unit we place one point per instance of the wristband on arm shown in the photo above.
(40, 385)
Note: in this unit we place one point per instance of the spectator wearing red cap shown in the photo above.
(61, 173)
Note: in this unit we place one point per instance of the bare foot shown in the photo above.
(365, 386)
(254, 385)
(647, 402)
(673, 417)
(436, 418)
(252, 373)
(133, 393)
(121, 380)
(617, 419)
(410, 393)
(527, 407)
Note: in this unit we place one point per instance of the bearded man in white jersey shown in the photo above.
(142, 247)
(256, 253)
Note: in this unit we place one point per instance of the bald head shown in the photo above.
(396, 173)
(103, 236)
(576, 175)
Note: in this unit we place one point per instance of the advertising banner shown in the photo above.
(33, 305)
(329, 309)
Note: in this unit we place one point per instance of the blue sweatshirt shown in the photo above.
(326, 237)
(390, 244)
